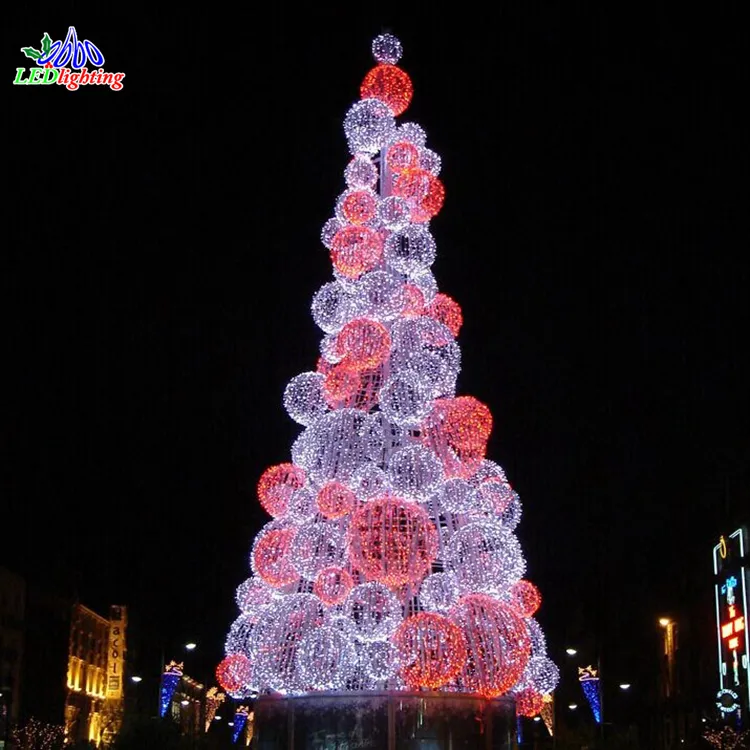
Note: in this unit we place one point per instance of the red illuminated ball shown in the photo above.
(333, 585)
(432, 650)
(447, 311)
(413, 301)
(363, 343)
(432, 202)
(359, 207)
(529, 703)
(412, 185)
(340, 383)
(392, 541)
(276, 485)
(335, 500)
(234, 673)
(356, 250)
(498, 645)
(271, 557)
(525, 598)
(402, 156)
(390, 85)
(457, 429)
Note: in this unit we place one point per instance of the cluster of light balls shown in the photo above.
(391, 560)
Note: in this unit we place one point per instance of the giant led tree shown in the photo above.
(390, 560)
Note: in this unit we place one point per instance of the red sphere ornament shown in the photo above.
(432, 650)
(413, 301)
(335, 500)
(431, 204)
(390, 85)
(340, 383)
(234, 673)
(529, 703)
(359, 207)
(457, 429)
(276, 485)
(525, 598)
(356, 250)
(498, 645)
(333, 585)
(402, 156)
(447, 311)
(392, 541)
(412, 185)
(271, 557)
(363, 343)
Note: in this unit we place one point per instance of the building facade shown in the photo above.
(96, 658)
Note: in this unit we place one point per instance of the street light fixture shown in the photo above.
(191, 646)
(664, 621)
(571, 651)
(537, 718)
(573, 706)
(185, 702)
(625, 686)
(136, 678)
(217, 718)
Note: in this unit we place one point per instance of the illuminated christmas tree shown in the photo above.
(390, 562)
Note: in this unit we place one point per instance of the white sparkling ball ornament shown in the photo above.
(239, 640)
(319, 544)
(303, 398)
(542, 674)
(386, 48)
(411, 133)
(276, 639)
(414, 472)
(331, 307)
(410, 250)
(369, 126)
(253, 596)
(380, 660)
(405, 400)
(329, 230)
(485, 557)
(394, 213)
(457, 496)
(430, 161)
(439, 592)
(379, 295)
(369, 482)
(361, 172)
(326, 658)
(375, 611)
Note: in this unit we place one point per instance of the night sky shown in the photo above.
(163, 249)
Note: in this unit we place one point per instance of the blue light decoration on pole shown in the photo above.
(240, 719)
(589, 679)
(169, 682)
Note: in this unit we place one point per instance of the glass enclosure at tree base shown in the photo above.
(384, 721)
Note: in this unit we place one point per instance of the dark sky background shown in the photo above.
(162, 250)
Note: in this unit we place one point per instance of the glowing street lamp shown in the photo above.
(625, 686)
(185, 702)
(191, 646)
(664, 622)
(571, 651)
(573, 706)
(136, 678)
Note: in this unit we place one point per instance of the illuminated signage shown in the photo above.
(727, 701)
(116, 653)
(733, 641)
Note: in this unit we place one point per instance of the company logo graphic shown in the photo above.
(64, 63)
